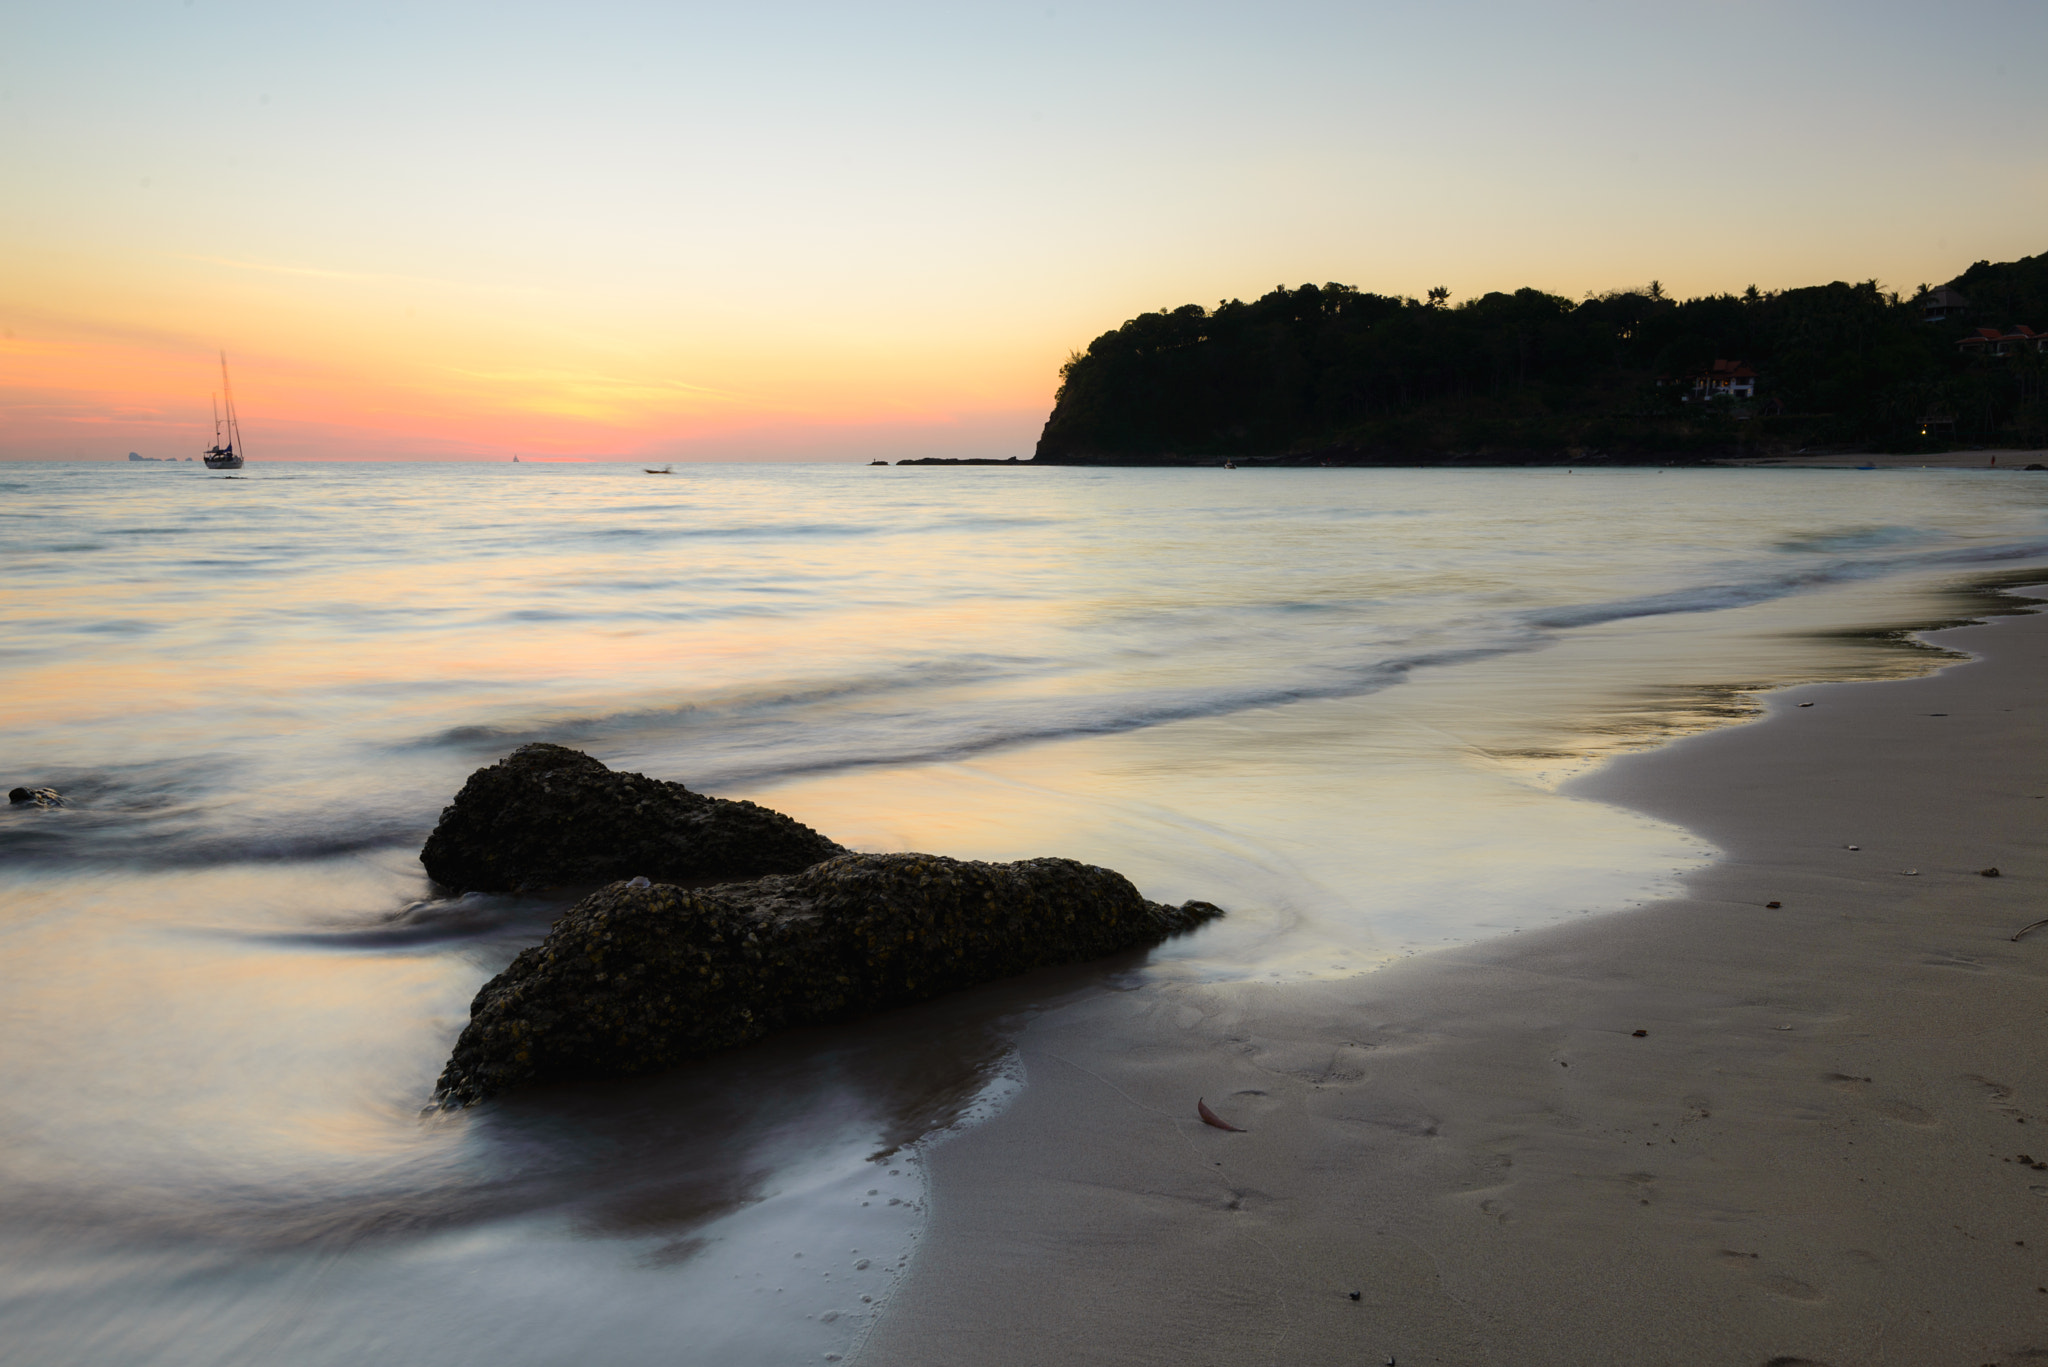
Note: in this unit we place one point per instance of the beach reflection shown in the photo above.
(210, 1119)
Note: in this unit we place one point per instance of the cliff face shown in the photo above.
(1332, 375)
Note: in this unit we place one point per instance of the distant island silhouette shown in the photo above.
(1328, 374)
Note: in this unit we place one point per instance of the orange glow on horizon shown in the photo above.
(329, 365)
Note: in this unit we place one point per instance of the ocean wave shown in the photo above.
(937, 740)
(730, 706)
(103, 840)
(739, 532)
(783, 733)
(429, 923)
(770, 737)
(1852, 539)
(1176, 604)
(1764, 588)
(193, 812)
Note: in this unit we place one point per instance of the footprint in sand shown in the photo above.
(1777, 1284)
(1318, 1064)
(1246, 1199)
(1904, 1112)
(1490, 1172)
(1791, 1288)
(1639, 1186)
(1385, 1115)
(1891, 1108)
(1999, 1091)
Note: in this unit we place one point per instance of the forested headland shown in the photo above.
(1331, 374)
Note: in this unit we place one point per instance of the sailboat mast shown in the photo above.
(227, 390)
(215, 400)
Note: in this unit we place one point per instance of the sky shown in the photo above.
(670, 232)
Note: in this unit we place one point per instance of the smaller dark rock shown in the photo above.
(36, 797)
(1640, 1034)
(1774, 905)
(546, 815)
(1988, 873)
(2035, 465)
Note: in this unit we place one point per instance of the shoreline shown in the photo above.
(1991, 458)
(1999, 458)
(1811, 1154)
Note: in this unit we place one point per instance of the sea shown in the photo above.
(1345, 705)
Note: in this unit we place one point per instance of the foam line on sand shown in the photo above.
(1710, 1131)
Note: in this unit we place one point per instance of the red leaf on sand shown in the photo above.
(1210, 1117)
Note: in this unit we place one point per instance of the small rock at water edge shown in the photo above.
(547, 816)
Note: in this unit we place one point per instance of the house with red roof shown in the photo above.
(1992, 342)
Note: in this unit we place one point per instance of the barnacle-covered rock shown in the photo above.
(45, 798)
(547, 815)
(640, 976)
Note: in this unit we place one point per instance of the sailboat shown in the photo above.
(226, 451)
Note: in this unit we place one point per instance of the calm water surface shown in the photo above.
(1336, 702)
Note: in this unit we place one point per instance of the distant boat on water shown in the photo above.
(664, 470)
(226, 451)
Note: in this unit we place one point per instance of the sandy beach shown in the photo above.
(1799, 1116)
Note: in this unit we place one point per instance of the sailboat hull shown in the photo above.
(222, 462)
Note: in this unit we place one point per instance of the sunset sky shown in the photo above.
(785, 231)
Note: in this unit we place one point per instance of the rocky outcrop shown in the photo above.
(548, 816)
(36, 797)
(640, 976)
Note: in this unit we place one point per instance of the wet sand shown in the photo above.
(1477, 1156)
